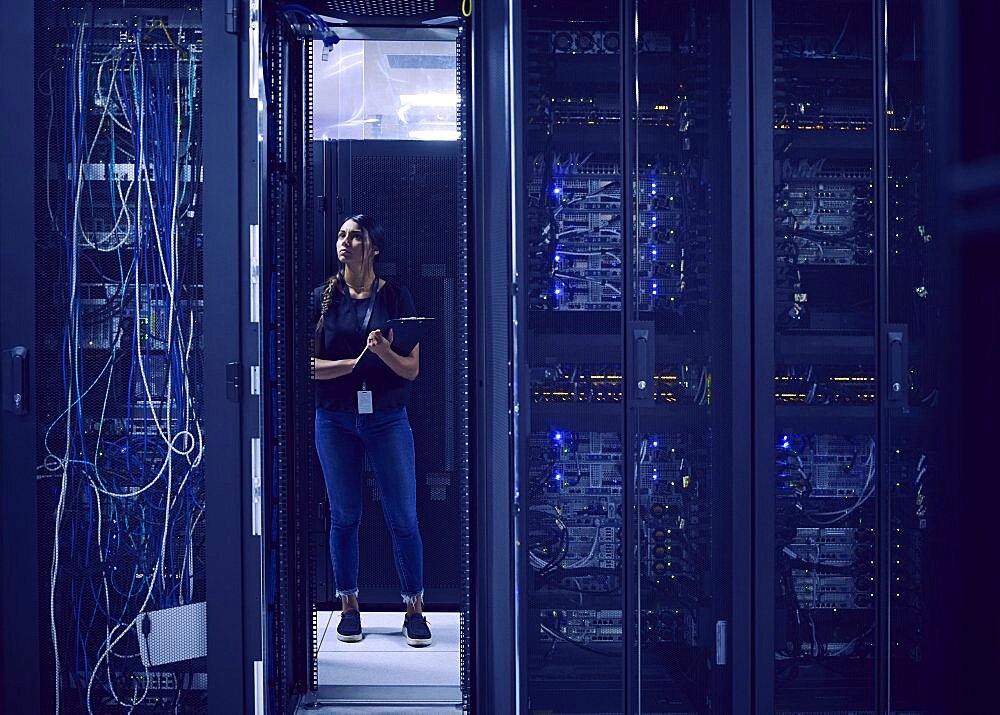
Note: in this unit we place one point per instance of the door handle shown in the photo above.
(642, 385)
(897, 384)
(15, 387)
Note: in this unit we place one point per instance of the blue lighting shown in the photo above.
(558, 258)
(656, 443)
(558, 291)
(654, 192)
(558, 476)
(654, 186)
(558, 436)
(786, 442)
(556, 190)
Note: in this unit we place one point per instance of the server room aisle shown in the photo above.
(384, 662)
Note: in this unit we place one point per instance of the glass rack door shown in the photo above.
(825, 293)
(571, 414)
(681, 386)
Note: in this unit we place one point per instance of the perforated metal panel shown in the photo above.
(408, 187)
(380, 11)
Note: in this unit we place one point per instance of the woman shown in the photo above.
(361, 406)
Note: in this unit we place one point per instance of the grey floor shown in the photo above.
(384, 659)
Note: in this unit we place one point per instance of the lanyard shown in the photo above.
(371, 307)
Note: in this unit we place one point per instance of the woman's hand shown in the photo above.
(332, 369)
(406, 366)
(378, 343)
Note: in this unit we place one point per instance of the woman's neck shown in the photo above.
(360, 280)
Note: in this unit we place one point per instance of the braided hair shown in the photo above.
(337, 283)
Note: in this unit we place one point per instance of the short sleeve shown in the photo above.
(405, 307)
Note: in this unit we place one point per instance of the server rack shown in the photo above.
(313, 186)
(855, 275)
(120, 590)
(624, 390)
(835, 379)
(278, 76)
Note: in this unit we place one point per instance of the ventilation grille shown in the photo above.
(373, 10)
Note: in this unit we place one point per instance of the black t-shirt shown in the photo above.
(342, 338)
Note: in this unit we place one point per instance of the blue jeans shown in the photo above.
(341, 441)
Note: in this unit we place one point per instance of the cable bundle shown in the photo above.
(123, 457)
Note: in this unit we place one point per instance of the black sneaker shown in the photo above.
(349, 628)
(416, 631)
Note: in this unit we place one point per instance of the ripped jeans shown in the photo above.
(341, 441)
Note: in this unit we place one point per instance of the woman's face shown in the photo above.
(351, 242)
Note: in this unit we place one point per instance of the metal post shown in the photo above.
(630, 519)
(762, 398)
(740, 419)
(880, 180)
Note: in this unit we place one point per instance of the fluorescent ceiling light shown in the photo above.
(434, 134)
(429, 99)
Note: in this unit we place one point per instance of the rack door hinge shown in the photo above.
(233, 370)
(258, 687)
(232, 16)
(254, 273)
(256, 469)
(253, 43)
(255, 379)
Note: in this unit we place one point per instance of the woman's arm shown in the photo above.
(406, 366)
(330, 369)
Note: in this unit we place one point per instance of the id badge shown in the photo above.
(365, 402)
